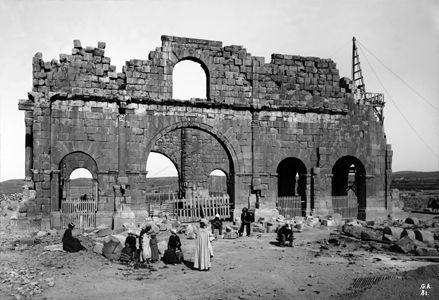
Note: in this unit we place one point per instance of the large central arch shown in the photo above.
(222, 139)
(216, 135)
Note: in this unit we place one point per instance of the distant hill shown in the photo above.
(11, 186)
(411, 180)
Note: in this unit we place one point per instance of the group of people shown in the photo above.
(148, 248)
(148, 244)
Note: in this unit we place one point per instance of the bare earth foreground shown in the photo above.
(247, 268)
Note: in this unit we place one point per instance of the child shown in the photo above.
(153, 244)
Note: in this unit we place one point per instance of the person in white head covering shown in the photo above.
(217, 226)
(203, 248)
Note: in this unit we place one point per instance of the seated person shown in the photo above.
(284, 234)
(129, 252)
(69, 243)
(173, 255)
(217, 226)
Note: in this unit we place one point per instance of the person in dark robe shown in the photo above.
(217, 226)
(129, 252)
(153, 244)
(246, 220)
(69, 243)
(173, 255)
(285, 234)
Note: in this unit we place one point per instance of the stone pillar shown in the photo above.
(29, 146)
(55, 214)
(307, 179)
(55, 190)
(122, 143)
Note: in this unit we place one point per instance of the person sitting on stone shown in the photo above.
(217, 226)
(285, 234)
(69, 243)
(129, 252)
(173, 255)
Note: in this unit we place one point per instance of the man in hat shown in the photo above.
(245, 222)
(217, 226)
(69, 243)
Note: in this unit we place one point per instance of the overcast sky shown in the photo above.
(402, 34)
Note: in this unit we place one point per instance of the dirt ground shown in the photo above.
(246, 268)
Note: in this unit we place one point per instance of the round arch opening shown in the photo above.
(218, 183)
(190, 79)
(162, 178)
(349, 187)
(291, 176)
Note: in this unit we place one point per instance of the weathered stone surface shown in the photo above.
(426, 251)
(371, 234)
(404, 245)
(395, 232)
(83, 113)
(354, 231)
(425, 236)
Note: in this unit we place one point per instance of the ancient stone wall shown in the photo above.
(254, 116)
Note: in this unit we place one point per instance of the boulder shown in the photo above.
(404, 245)
(395, 232)
(389, 238)
(329, 223)
(371, 234)
(259, 229)
(98, 247)
(426, 251)
(41, 234)
(409, 233)
(354, 231)
(425, 236)
(229, 235)
(112, 247)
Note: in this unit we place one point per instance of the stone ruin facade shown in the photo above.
(287, 127)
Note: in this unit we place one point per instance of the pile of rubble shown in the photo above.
(9, 203)
(410, 236)
(110, 242)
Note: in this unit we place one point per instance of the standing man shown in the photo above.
(246, 220)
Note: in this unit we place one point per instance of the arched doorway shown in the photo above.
(78, 190)
(197, 151)
(291, 191)
(349, 188)
(162, 184)
(218, 183)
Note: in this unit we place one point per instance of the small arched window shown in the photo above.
(190, 79)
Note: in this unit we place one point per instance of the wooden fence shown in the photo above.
(194, 209)
(79, 212)
(161, 203)
(346, 206)
(290, 206)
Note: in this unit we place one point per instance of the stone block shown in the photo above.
(354, 231)
(371, 234)
(424, 236)
(404, 245)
